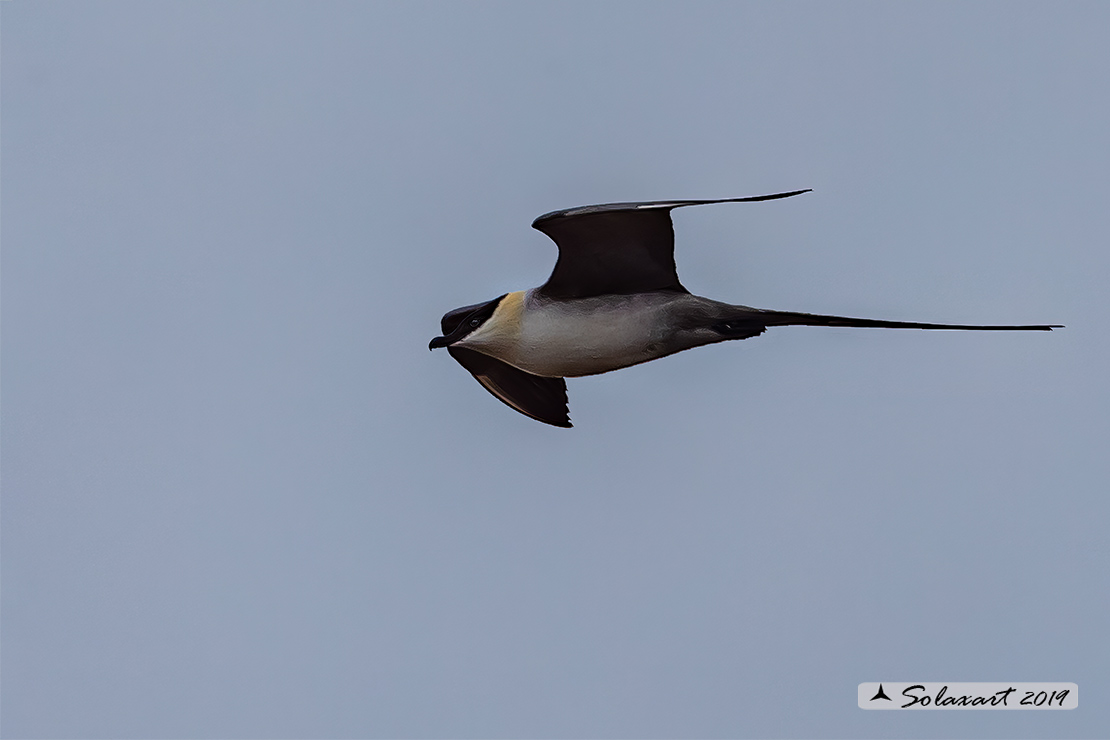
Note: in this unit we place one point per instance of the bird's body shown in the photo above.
(588, 336)
(613, 300)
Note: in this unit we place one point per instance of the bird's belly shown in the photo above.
(572, 344)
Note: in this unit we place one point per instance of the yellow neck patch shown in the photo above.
(509, 313)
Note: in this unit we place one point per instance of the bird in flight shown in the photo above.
(613, 300)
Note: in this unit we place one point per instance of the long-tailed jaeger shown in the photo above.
(613, 300)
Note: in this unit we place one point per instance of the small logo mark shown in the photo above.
(881, 694)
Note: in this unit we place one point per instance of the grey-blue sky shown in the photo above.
(242, 499)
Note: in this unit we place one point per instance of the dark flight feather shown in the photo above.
(618, 248)
(543, 399)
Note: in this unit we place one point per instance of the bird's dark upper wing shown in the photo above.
(618, 248)
(543, 399)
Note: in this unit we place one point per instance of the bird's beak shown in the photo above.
(449, 339)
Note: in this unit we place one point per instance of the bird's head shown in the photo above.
(461, 322)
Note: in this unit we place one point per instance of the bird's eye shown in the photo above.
(475, 322)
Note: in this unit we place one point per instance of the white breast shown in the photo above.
(572, 338)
